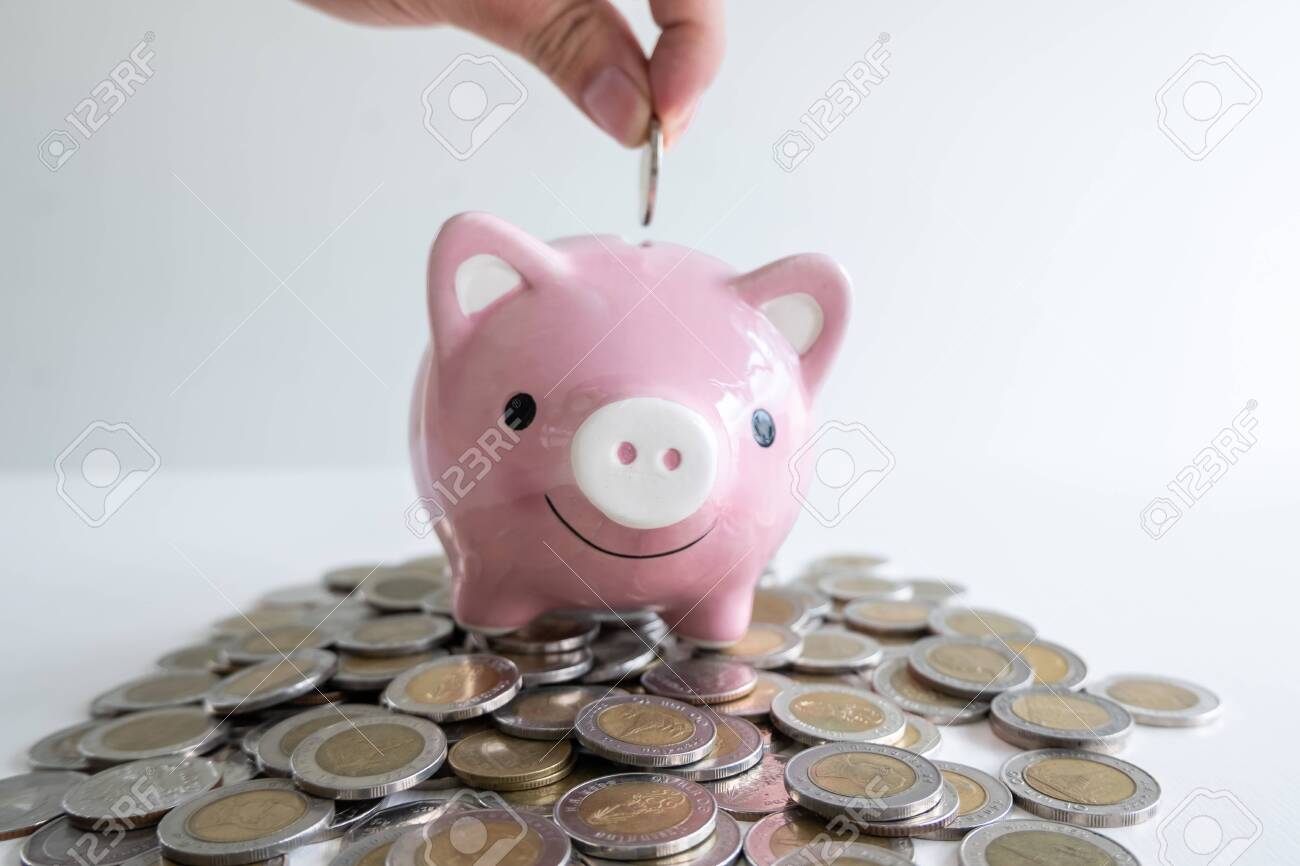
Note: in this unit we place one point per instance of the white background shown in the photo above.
(1056, 310)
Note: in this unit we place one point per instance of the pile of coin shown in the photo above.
(359, 709)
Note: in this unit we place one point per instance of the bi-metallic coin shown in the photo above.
(646, 730)
(1082, 788)
(139, 793)
(368, 757)
(1161, 701)
(981, 800)
(244, 823)
(637, 815)
(455, 687)
(1032, 841)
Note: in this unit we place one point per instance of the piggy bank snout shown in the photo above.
(645, 462)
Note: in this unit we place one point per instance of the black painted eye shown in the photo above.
(764, 428)
(520, 411)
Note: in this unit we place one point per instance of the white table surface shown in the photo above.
(1212, 601)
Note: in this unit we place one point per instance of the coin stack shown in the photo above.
(359, 709)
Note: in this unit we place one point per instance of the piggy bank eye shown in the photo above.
(764, 428)
(520, 411)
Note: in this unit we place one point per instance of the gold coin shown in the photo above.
(1050, 667)
(453, 683)
(862, 774)
(826, 645)
(773, 608)
(914, 690)
(1152, 694)
(584, 770)
(970, 794)
(380, 748)
(983, 624)
(1032, 847)
(1077, 780)
(836, 711)
(974, 664)
(247, 815)
(492, 755)
(645, 724)
(636, 808)
(155, 732)
(758, 640)
(448, 847)
(1060, 712)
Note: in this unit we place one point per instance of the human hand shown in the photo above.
(587, 48)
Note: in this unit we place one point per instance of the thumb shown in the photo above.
(585, 46)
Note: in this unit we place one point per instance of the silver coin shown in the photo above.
(982, 800)
(370, 850)
(765, 646)
(620, 655)
(196, 657)
(720, 849)
(968, 667)
(919, 735)
(851, 586)
(548, 712)
(438, 602)
(350, 813)
(1053, 664)
(396, 635)
(244, 823)
(234, 765)
(652, 156)
(849, 853)
(889, 617)
(482, 836)
(1160, 700)
(785, 832)
(540, 669)
(349, 577)
(454, 688)
(402, 817)
(1043, 718)
(893, 679)
(32, 800)
(1041, 841)
(139, 793)
(374, 673)
(270, 644)
(978, 622)
(548, 634)
(59, 843)
(153, 734)
(738, 747)
(368, 757)
(686, 812)
(646, 730)
(927, 822)
(816, 714)
(1082, 788)
(164, 689)
(701, 680)
(399, 590)
(155, 858)
(836, 650)
(873, 782)
(630, 618)
(276, 744)
(271, 682)
(59, 751)
(754, 793)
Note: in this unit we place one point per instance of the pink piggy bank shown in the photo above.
(608, 426)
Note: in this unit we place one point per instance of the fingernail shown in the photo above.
(617, 106)
(679, 125)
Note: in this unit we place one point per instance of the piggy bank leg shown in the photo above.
(719, 620)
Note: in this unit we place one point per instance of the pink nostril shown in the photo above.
(626, 453)
(672, 459)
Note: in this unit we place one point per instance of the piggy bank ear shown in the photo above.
(476, 261)
(807, 298)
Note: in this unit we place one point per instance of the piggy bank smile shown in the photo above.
(609, 426)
